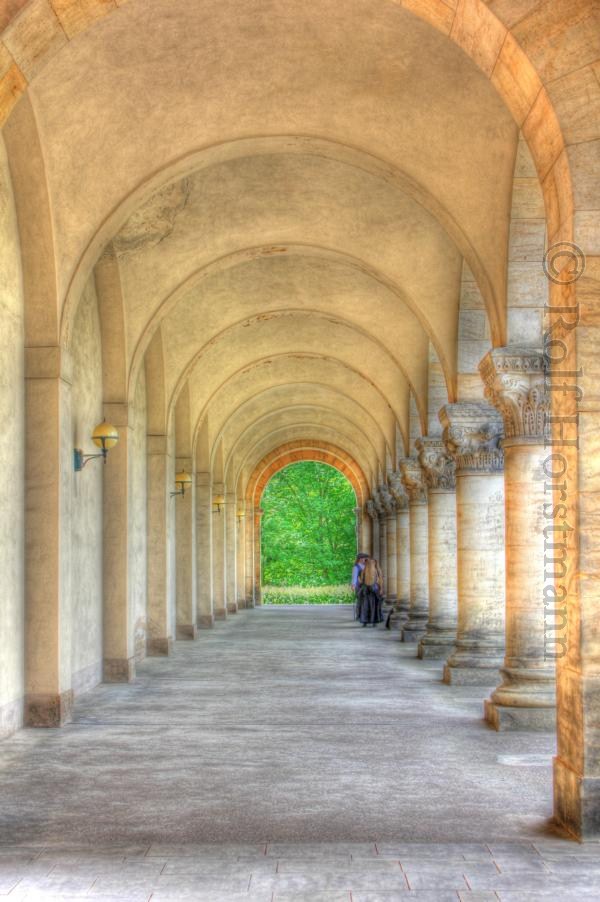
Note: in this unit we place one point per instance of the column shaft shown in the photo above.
(204, 524)
(403, 562)
(439, 469)
(121, 647)
(230, 553)
(49, 696)
(160, 582)
(185, 559)
(391, 592)
(472, 431)
(218, 558)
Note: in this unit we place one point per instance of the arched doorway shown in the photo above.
(309, 535)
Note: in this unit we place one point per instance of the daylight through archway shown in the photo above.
(309, 535)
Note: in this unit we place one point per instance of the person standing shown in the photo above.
(370, 591)
(359, 566)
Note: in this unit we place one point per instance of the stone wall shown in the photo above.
(85, 607)
(11, 462)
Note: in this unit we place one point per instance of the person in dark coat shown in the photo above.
(370, 594)
(359, 566)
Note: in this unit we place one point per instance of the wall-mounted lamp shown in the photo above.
(241, 513)
(217, 503)
(183, 481)
(104, 436)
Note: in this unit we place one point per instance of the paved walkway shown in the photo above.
(287, 754)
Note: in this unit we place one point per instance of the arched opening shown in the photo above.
(309, 535)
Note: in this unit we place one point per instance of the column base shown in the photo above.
(414, 630)
(469, 676)
(186, 631)
(232, 607)
(159, 647)
(118, 670)
(576, 802)
(241, 603)
(205, 621)
(249, 603)
(220, 614)
(436, 650)
(503, 718)
(49, 710)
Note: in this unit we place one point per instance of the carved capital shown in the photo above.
(387, 500)
(371, 509)
(515, 384)
(414, 480)
(472, 433)
(398, 491)
(438, 466)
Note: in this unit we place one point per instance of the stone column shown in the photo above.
(402, 546)
(358, 528)
(440, 476)
(185, 558)
(230, 552)
(240, 576)
(381, 519)
(204, 518)
(257, 569)
(414, 483)
(48, 471)
(249, 529)
(372, 512)
(161, 481)
(526, 696)
(391, 589)
(472, 432)
(118, 632)
(218, 556)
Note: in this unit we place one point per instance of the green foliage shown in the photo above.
(307, 595)
(308, 528)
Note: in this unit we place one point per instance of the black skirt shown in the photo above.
(369, 606)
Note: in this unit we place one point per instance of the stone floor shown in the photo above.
(286, 755)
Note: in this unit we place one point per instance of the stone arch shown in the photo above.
(295, 452)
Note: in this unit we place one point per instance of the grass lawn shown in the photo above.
(307, 595)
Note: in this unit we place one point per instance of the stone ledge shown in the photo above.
(434, 650)
(504, 718)
(470, 676)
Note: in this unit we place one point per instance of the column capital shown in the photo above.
(438, 465)
(371, 509)
(387, 501)
(378, 503)
(514, 380)
(472, 433)
(414, 480)
(398, 491)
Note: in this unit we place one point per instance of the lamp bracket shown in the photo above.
(80, 459)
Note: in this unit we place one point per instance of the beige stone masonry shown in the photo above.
(416, 489)
(515, 384)
(440, 476)
(472, 432)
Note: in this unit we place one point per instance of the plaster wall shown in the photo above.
(137, 519)
(86, 507)
(11, 462)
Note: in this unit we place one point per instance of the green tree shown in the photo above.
(308, 531)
